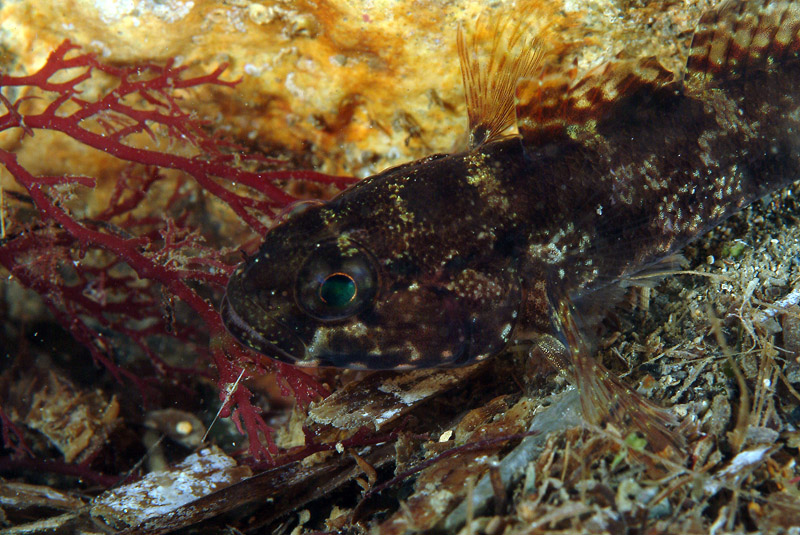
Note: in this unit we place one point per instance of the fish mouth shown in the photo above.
(251, 325)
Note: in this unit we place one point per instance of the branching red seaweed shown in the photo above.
(119, 271)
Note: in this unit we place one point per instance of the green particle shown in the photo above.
(636, 442)
(618, 459)
(733, 251)
(337, 290)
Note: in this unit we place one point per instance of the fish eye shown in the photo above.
(336, 281)
(338, 289)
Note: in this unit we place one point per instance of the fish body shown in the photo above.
(448, 260)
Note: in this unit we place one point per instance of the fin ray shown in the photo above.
(605, 399)
(491, 73)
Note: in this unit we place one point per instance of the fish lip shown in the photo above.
(232, 318)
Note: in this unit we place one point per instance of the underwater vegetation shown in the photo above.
(104, 419)
(116, 273)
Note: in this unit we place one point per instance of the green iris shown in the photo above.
(338, 280)
(337, 290)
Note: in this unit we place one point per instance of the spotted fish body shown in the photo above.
(447, 260)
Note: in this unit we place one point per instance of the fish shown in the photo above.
(566, 192)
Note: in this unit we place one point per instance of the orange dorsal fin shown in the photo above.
(491, 68)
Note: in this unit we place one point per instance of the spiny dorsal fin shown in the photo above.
(491, 70)
(741, 36)
(548, 107)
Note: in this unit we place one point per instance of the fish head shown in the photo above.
(381, 277)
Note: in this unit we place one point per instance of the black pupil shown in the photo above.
(337, 290)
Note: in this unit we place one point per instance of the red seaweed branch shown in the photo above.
(115, 273)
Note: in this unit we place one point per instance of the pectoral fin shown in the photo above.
(606, 401)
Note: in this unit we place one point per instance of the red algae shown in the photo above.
(118, 273)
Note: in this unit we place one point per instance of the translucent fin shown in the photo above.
(547, 108)
(491, 68)
(744, 36)
(651, 275)
(605, 399)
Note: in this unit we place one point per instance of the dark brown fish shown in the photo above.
(564, 193)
